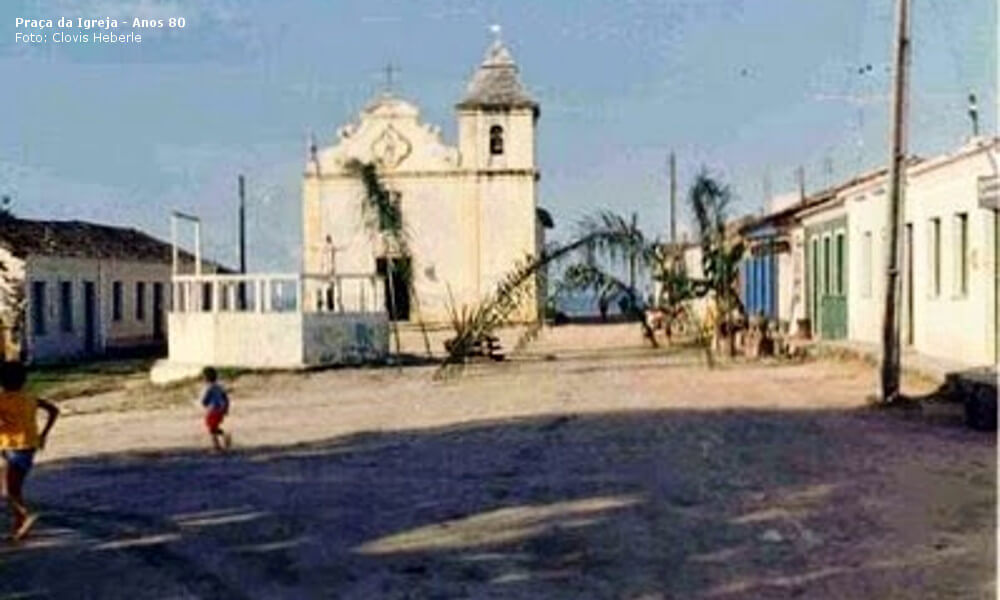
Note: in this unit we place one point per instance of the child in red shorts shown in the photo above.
(216, 403)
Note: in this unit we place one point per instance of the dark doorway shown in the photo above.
(396, 287)
(158, 311)
(89, 318)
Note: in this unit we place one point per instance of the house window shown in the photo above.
(961, 280)
(116, 301)
(140, 300)
(839, 258)
(496, 140)
(66, 306)
(38, 304)
(934, 248)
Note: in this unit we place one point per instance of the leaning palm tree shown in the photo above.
(595, 273)
(381, 213)
(606, 235)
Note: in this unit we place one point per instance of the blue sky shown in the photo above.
(748, 88)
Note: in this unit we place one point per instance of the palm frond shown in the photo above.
(605, 234)
(380, 210)
(382, 213)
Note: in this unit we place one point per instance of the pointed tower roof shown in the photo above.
(496, 83)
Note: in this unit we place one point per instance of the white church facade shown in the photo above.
(469, 211)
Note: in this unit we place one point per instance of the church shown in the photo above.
(469, 212)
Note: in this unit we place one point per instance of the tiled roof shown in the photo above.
(496, 83)
(79, 239)
(819, 198)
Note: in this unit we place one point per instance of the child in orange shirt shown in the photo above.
(20, 439)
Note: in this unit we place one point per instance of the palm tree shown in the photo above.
(709, 200)
(627, 246)
(606, 234)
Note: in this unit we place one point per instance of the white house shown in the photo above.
(949, 264)
(469, 210)
(87, 290)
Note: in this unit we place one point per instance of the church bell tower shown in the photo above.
(497, 117)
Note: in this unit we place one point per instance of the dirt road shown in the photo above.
(601, 474)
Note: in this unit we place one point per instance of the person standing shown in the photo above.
(215, 400)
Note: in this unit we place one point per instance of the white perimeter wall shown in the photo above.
(276, 340)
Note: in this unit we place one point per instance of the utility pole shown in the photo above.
(800, 178)
(243, 226)
(897, 163)
(242, 288)
(673, 198)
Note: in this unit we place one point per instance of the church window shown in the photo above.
(496, 140)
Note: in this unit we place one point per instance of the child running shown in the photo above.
(216, 403)
(19, 439)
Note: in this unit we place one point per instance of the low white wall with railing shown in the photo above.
(277, 321)
(278, 293)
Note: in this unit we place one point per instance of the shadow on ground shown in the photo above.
(641, 505)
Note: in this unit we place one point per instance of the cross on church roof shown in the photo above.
(390, 70)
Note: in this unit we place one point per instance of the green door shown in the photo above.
(833, 309)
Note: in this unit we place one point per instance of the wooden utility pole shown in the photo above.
(673, 198)
(243, 226)
(242, 287)
(897, 163)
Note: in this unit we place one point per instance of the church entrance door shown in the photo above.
(396, 287)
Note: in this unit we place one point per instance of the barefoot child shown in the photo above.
(19, 439)
(216, 403)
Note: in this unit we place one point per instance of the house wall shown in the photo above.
(785, 263)
(949, 323)
(694, 269)
(129, 331)
(794, 281)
